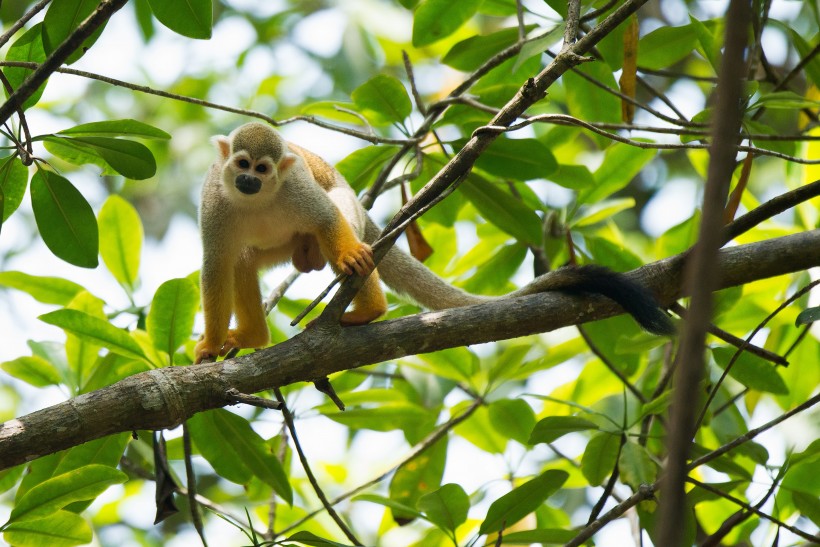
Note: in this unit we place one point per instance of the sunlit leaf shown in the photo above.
(307, 538)
(636, 465)
(751, 371)
(362, 166)
(62, 19)
(65, 219)
(33, 370)
(95, 329)
(116, 128)
(120, 239)
(48, 497)
(192, 18)
(28, 49)
(665, 46)
(418, 477)
(45, 289)
(621, 164)
(519, 159)
(600, 457)
(503, 210)
(171, 318)
(554, 427)
(547, 536)
(513, 418)
(523, 500)
(385, 97)
(805, 317)
(13, 180)
(437, 19)
(59, 529)
(446, 507)
(471, 53)
(130, 159)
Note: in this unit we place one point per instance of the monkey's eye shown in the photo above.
(261, 168)
(243, 164)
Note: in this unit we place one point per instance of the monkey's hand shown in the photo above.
(358, 258)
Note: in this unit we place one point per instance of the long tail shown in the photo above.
(406, 275)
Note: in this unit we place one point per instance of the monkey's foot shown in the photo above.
(241, 339)
(206, 349)
(358, 259)
(360, 317)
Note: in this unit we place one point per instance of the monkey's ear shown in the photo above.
(286, 163)
(223, 146)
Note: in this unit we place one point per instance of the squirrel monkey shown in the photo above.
(266, 201)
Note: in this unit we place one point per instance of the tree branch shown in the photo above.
(164, 398)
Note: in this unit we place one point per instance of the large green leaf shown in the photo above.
(418, 477)
(636, 465)
(392, 504)
(120, 240)
(513, 418)
(116, 128)
(471, 53)
(171, 319)
(751, 371)
(478, 430)
(503, 210)
(79, 484)
(446, 507)
(414, 420)
(552, 428)
(523, 500)
(59, 529)
(589, 102)
(437, 19)
(28, 49)
(33, 370)
(226, 440)
(665, 46)
(45, 289)
(65, 219)
(385, 98)
(547, 536)
(130, 159)
(95, 329)
(362, 167)
(600, 456)
(519, 159)
(191, 18)
(13, 179)
(621, 164)
(82, 354)
(62, 19)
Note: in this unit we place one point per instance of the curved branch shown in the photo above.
(164, 398)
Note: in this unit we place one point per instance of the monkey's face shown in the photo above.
(245, 176)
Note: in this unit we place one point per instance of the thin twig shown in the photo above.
(234, 396)
(190, 477)
(426, 443)
(310, 476)
(611, 366)
(645, 492)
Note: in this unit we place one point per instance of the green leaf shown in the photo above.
(48, 497)
(574, 177)
(231, 435)
(513, 418)
(665, 46)
(636, 466)
(467, 55)
(418, 477)
(708, 45)
(805, 317)
(130, 159)
(65, 219)
(478, 430)
(600, 456)
(540, 535)
(385, 98)
(512, 507)
(48, 290)
(62, 19)
(787, 100)
(437, 19)
(589, 102)
(387, 502)
(308, 538)
(362, 167)
(13, 179)
(120, 240)
(95, 329)
(81, 353)
(519, 159)
(171, 319)
(60, 529)
(808, 505)
(621, 164)
(503, 210)
(601, 211)
(446, 507)
(751, 371)
(493, 275)
(33, 370)
(28, 49)
(116, 128)
(551, 428)
(414, 420)
(190, 18)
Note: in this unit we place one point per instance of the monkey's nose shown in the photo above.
(248, 184)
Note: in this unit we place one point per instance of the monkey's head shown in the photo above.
(254, 162)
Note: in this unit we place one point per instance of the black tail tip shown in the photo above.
(656, 321)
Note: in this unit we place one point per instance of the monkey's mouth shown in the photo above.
(248, 184)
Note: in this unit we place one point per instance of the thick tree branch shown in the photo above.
(164, 398)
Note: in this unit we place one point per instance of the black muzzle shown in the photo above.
(248, 184)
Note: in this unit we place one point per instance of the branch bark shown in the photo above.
(164, 398)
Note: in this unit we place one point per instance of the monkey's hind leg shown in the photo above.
(251, 328)
(368, 304)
